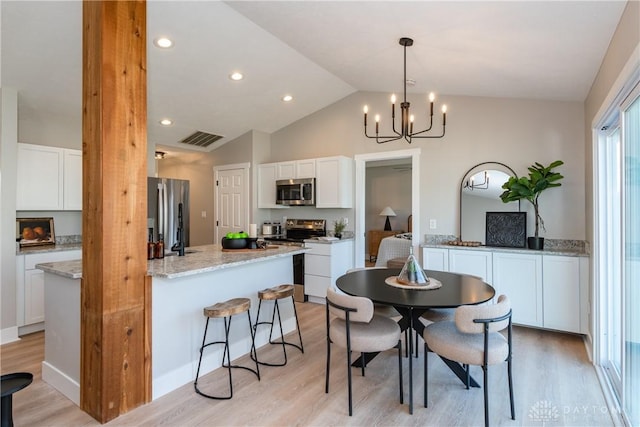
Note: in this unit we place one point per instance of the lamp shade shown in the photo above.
(387, 212)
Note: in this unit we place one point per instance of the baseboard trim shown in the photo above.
(61, 382)
(8, 335)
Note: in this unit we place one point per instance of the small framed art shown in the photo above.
(506, 229)
(35, 231)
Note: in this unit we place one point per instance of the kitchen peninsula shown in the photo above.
(181, 288)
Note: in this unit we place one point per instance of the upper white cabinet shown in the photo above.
(334, 182)
(267, 176)
(296, 169)
(475, 263)
(43, 182)
(72, 180)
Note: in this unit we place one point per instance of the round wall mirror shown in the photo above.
(480, 191)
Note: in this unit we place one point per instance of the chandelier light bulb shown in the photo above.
(411, 118)
(377, 118)
(432, 97)
(366, 109)
(444, 109)
(393, 98)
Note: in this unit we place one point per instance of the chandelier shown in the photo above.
(406, 119)
(472, 185)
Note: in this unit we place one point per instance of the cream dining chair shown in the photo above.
(356, 328)
(473, 338)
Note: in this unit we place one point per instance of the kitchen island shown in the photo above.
(181, 288)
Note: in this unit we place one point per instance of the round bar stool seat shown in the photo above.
(226, 310)
(11, 383)
(276, 294)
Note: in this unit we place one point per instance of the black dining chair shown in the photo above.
(474, 338)
(356, 328)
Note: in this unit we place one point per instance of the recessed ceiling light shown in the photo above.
(163, 42)
(236, 76)
(166, 122)
(159, 155)
(287, 98)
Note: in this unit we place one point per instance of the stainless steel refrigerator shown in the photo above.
(164, 196)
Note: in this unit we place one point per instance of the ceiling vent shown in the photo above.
(201, 139)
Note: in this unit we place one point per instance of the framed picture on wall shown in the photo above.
(506, 229)
(35, 231)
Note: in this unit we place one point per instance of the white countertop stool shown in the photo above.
(226, 310)
(276, 294)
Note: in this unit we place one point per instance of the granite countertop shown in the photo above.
(548, 251)
(30, 250)
(202, 259)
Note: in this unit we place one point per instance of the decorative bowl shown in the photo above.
(234, 243)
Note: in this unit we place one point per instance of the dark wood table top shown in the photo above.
(456, 290)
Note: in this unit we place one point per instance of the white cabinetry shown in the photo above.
(323, 265)
(72, 180)
(296, 169)
(475, 263)
(267, 176)
(564, 294)
(546, 290)
(435, 259)
(519, 276)
(30, 284)
(334, 182)
(48, 178)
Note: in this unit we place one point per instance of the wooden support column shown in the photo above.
(115, 313)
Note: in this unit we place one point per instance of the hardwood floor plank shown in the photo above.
(554, 384)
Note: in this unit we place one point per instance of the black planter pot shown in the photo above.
(536, 243)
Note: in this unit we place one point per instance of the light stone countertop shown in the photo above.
(30, 250)
(550, 251)
(203, 259)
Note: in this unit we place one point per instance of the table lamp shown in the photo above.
(387, 212)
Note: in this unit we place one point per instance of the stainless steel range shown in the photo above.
(297, 230)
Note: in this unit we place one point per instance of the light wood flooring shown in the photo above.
(554, 385)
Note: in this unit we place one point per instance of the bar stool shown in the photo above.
(274, 294)
(226, 310)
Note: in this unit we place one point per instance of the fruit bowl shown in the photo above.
(234, 243)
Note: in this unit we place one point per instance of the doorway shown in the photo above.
(231, 199)
(361, 161)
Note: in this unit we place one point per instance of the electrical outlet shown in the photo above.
(204, 214)
(432, 224)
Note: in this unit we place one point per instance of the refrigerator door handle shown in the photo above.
(161, 209)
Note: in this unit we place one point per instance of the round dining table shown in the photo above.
(411, 303)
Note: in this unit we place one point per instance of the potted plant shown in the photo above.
(338, 228)
(529, 188)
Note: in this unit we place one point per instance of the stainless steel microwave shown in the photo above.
(296, 192)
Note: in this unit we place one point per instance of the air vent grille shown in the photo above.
(201, 139)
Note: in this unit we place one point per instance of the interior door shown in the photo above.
(232, 200)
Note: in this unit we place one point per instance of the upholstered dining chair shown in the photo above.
(356, 328)
(474, 338)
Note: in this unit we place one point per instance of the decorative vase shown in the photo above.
(536, 243)
(338, 235)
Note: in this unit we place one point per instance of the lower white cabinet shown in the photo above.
(323, 265)
(565, 293)
(519, 277)
(475, 263)
(435, 259)
(30, 284)
(546, 290)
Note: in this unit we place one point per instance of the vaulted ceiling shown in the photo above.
(317, 51)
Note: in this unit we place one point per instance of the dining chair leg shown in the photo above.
(425, 375)
(467, 368)
(486, 396)
(326, 382)
(400, 370)
(513, 413)
(362, 364)
(349, 379)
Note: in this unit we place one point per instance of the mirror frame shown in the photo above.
(462, 187)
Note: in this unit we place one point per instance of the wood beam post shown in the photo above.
(115, 372)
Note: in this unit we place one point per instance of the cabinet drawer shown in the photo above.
(30, 261)
(316, 285)
(319, 265)
(319, 248)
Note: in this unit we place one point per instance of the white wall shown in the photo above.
(516, 132)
